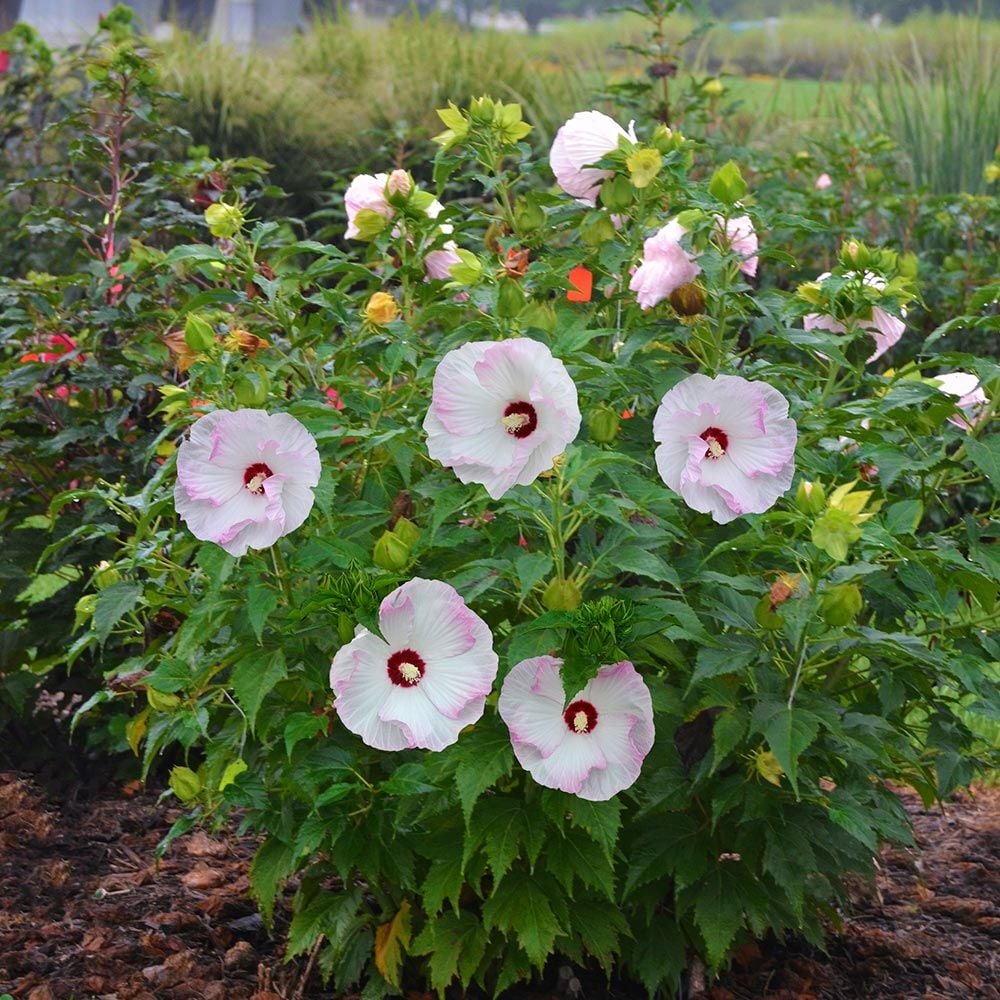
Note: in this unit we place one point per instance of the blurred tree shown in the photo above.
(10, 11)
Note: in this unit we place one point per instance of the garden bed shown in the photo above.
(89, 913)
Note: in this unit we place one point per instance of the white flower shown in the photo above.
(501, 412)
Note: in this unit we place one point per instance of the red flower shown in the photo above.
(59, 346)
(4, 61)
(582, 282)
(333, 399)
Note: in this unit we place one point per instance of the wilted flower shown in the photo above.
(823, 182)
(742, 239)
(726, 445)
(586, 138)
(971, 398)
(883, 326)
(501, 412)
(381, 309)
(665, 266)
(594, 746)
(245, 478)
(426, 681)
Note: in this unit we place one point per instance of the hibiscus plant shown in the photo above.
(546, 568)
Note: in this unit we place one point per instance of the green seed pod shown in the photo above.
(604, 424)
(810, 498)
(406, 531)
(391, 552)
(841, 604)
(561, 595)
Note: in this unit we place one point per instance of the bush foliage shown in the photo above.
(800, 660)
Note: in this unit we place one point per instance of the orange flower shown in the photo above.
(582, 282)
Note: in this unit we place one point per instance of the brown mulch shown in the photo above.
(86, 912)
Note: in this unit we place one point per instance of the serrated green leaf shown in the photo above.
(272, 864)
(112, 603)
(501, 826)
(718, 912)
(456, 944)
(232, 772)
(261, 601)
(254, 677)
(788, 731)
(332, 914)
(443, 882)
(577, 856)
(484, 755)
(986, 456)
(520, 907)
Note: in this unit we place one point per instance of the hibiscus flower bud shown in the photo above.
(381, 309)
(604, 424)
(713, 88)
(841, 604)
(198, 333)
(224, 221)
(617, 194)
(399, 183)
(510, 299)
(391, 552)
(810, 498)
(528, 215)
(251, 387)
(561, 595)
(105, 574)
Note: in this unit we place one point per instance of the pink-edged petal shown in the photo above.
(531, 704)
(585, 139)
(420, 722)
(885, 328)
(822, 321)
(568, 766)
(360, 684)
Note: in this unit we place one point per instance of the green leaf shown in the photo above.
(576, 855)
(602, 820)
(232, 772)
(256, 675)
(261, 601)
(331, 914)
(444, 881)
(112, 603)
(788, 732)
(484, 756)
(718, 912)
(45, 585)
(456, 944)
(903, 518)
(272, 864)
(301, 726)
(635, 559)
(520, 906)
(501, 826)
(986, 456)
(600, 928)
(729, 729)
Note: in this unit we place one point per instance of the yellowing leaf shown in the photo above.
(232, 772)
(767, 767)
(135, 729)
(391, 941)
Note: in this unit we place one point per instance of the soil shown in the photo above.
(87, 912)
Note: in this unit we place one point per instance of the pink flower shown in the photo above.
(665, 266)
(726, 445)
(594, 747)
(501, 412)
(971, 398)
(245, 478)
(586, 138)
(823, 182)
(742, 239)
(366, 192)
(438, 263)
(426, 681)
(882, 325)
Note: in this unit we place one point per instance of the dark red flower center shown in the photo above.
(520, 419)
(717, 441)
(405, 668)
(580, 717)
(254, 476)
